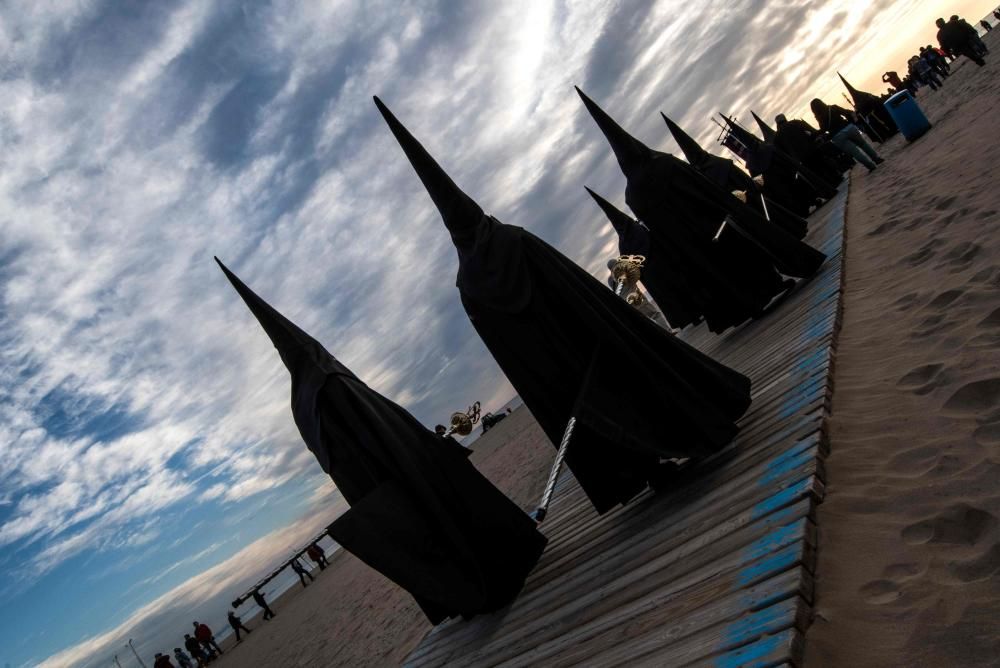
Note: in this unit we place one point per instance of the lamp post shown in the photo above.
(132, 647)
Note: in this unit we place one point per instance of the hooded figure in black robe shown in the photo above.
(570, 347)
(786, 180)
(421, 514)
(739, 270)
(724, 173)
(766, 131)
(677, 298)
(874, 115)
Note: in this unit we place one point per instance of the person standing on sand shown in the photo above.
(207, 639)
(844, 134)
(236, 624)
(258, 597)
(183, 660)
(162, 661)
(956, 40)
(318, 555)
(302, 572)
(194, 647)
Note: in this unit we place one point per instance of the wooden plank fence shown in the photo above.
(717, 572)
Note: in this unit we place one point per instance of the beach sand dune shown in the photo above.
(909, 554)
(352, 615)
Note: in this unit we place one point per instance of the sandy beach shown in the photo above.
(909, 535)
(909, 531)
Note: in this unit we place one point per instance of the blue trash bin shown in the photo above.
(907, 115)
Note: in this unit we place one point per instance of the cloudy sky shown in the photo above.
(146, 443)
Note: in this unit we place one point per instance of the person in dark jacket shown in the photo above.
(207, 639)
(258, 597)
(956, 40)
(845, 135)
(301, 571)
(194, 648)
(236, 624)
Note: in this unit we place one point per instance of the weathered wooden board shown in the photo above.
(716, 572)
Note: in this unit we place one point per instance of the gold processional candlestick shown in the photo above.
(461, 423)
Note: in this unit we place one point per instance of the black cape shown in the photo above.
(724, 173)
(420, 514)
(873, 112)
(740, 271)
(570, 347)
(786, 180)
(674, 294)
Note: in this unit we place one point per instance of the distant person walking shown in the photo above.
(986, 24)
(207, 639)
(258, 598)
(183, 660)
(237, 625)
(301, 572)
(956, 40)
(194, 647)
(318, 555)
(844, 134)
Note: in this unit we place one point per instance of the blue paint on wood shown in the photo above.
(750, 627)
(776, 563)
(776, 539)
(781, 499)
(752, 655)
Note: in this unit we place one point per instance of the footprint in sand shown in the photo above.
(932, 324)
(974, 398)
(902, 571)
(992, 321)
(887, 226)
(978, 568)
(880, 592)
(943, 203)
(960, 256)
(944, 299)
(958, 524)
(907, 301)
(920, 257)
(988, 434)
(923, 379)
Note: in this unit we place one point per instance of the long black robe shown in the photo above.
(786, 180)
(570, 347)
(741, 270)
(724, 173)
(677, 298)
(421, 514)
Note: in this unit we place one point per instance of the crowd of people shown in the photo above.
(200, 646)
(931, 65)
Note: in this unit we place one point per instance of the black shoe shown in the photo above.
(878, 161)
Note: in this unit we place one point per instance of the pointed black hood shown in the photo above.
(620, 220)
(460, 212)
(692, 150)
(715, 168)
(855, 93)
(294, 345)
(766, 130)
(744, 135)
(630, 152)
